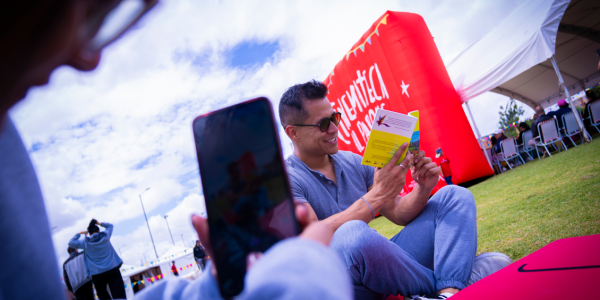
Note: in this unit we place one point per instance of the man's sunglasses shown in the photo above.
(109, 19)
(325, 122)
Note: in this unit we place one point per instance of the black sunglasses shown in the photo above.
(325, 122)
(109, 19)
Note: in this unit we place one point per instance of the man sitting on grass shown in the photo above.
(434, 253)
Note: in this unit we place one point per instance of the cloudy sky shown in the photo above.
(99, 139)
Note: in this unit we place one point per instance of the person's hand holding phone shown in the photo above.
(316, 231)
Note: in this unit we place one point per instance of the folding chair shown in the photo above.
(494, 161)
(509, 151)
(594, 114)
(571, 128)
(548, 136)
(525, 147)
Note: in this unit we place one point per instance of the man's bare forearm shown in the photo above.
(405, 209)
(359, 210)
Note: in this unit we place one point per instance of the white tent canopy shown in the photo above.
(541, 52)
(184, 261)
(577, 39)
(183, 257)
(515, 58)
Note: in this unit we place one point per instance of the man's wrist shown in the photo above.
(420, 189)
(375, 200)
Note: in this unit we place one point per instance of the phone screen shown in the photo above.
(246, 190)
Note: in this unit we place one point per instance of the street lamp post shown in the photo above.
(172, 240)
(120, 251)
(148, 223)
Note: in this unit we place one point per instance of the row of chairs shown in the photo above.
(551, 134)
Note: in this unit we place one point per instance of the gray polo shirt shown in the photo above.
(323, 195)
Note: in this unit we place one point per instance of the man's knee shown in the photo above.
(352, 236)
(458, 196)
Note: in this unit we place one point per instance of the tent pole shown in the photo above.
(562, 84)
(478, 135)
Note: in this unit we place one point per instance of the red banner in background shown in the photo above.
(396, 66)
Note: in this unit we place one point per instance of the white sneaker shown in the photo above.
(428, 297)
(486, 264)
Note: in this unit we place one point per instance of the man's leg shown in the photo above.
(100, 285)
(443, 237)
(448, 180)
(377, 266)
(85, 292)
(531, 143)
(116, 284)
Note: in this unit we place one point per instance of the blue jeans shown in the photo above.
(433, 252)
(448, 180)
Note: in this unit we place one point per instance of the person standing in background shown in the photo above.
(174, 270)
(102, 260)
(444, 163)
(199, 255)
(78, 282)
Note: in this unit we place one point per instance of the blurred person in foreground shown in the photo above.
(39, 36)
(434, 254)
(101, 259)
(76, 277)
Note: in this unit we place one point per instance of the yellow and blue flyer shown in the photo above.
(389, 131)
(415, 142)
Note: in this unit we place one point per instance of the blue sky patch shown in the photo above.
(250, 53)
(148, 161)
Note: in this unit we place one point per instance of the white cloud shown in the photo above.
(102, 137)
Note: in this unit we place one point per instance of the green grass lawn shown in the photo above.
(522, 210)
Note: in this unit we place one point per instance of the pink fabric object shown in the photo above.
(564, 268)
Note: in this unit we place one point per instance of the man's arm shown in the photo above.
(108, 228)
(76, 243)
(403, 210)
(388, 183)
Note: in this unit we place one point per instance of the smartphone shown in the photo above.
(246, 189)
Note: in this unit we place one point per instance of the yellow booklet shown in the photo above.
(389, 131)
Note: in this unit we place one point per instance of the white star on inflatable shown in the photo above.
(405, 88)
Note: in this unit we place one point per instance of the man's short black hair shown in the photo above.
(291, 106)
(92, 228)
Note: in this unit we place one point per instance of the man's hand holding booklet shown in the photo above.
(389, 131)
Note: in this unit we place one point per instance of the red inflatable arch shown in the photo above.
(396, 65)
